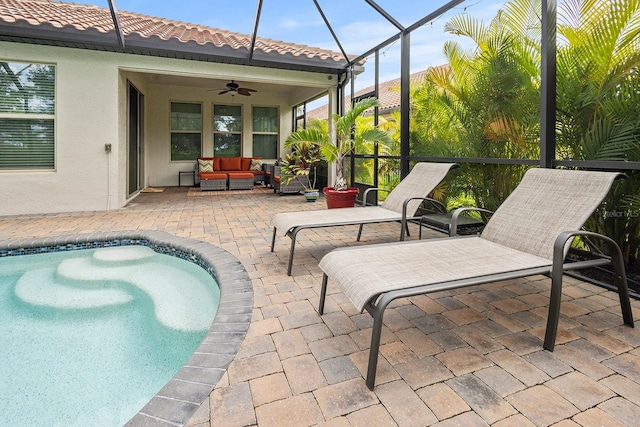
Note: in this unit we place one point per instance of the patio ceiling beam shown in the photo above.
(116, 23)
(254, 35)
(384, 13)
(326, 22)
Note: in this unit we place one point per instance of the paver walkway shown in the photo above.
(470, 357)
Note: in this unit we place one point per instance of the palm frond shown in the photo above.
(523, 18)
(467, 25)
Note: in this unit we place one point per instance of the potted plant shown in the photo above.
(349, 131)
(301, 165)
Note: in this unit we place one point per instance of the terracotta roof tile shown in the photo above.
(388, 95)
(84, 17)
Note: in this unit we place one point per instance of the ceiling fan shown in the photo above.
(234, 87)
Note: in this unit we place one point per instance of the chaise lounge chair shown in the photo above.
(529, 234)
(400, 205)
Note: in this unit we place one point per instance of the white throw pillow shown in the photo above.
(205, 165)
(256, 165)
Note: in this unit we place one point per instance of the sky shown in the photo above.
(357, 26)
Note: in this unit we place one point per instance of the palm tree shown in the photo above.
(598, 104)
(484, 102)
(348, 133)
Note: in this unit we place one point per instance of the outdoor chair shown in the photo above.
(400, 206)
(530, 233)
(295, 186)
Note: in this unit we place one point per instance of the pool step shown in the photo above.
(181, 301)
(40, 288)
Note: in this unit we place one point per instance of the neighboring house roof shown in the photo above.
(90, 27)
(388, 95)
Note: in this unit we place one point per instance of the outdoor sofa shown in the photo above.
(233, 173)
(529, 234)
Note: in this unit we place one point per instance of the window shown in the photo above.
(186, 131)
(27, 116)
(227, 130)
(265, 132)
(300, 116)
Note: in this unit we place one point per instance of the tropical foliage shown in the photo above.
(350, 130)
(484, 103)
(599, 103)
(301, 162)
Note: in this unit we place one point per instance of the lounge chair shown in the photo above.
(529, 234)
(401, 205)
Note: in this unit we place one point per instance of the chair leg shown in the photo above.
(273, 239)
(293, 233)
(554, 309)
(557, 271)
(623, 288)
(374, 349)
(360, 232)
(323, 294)
(403, 228)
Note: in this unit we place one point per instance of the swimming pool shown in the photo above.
(190, 386)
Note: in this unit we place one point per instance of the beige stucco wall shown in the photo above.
(91, 111)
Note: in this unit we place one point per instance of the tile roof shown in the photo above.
(55, 20)
(388, 95)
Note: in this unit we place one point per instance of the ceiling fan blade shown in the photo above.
(223, 92)
(244, 91)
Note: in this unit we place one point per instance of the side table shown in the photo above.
(442, 221)
(193, 176)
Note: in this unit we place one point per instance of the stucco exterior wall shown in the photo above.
(86, 119)
(91, 111)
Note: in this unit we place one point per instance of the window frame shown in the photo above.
(215, 132)
(25, 117)
(183, 131)
(273, 133)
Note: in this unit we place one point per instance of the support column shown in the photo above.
(548, 85)
(405, 82)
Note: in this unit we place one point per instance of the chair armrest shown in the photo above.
(404, 212)
(366, 193)
(428, 199)
(560, 249)
(453, 230)
(564, 240)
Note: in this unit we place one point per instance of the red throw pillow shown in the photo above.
(216, 164)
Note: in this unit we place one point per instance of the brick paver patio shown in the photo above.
(470, 357)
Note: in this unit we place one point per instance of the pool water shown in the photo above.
(88, 337)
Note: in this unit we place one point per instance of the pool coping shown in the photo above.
(181, 397)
